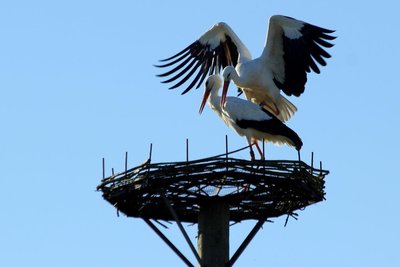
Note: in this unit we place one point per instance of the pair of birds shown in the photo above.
(292, 49)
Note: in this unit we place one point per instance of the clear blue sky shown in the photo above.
(77, 84)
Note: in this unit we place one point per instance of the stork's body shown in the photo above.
(256, 81)
(292, 49)
(248, 119)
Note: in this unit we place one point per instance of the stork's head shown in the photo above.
(228, 74)
(212, 83)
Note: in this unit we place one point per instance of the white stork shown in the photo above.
(248, 119)
(292, 49)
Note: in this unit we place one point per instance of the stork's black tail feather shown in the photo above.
(273, 126)
(294, 137)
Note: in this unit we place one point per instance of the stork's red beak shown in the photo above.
(203, 103)
(224, 92)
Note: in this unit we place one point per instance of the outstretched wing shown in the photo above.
(292, 49)
(215, 49)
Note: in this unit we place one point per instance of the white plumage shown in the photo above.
(292, 49)
(248, 119)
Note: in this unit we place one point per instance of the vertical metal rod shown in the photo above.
(226, 152)
(226, 146)
(150, 154)
(187, 149)
(320, 167)
(218, 188)
(226, 161)
(126, 161)
(263, 151)
(169, 243)
(312, 161)
(151, 151)
(263, 148)
(104, 172)
(244, 244)
(185, 235)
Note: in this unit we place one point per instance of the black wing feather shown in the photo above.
(178, 54)
(173, 62)
(182, 72)
(301, 56)
(201, 57)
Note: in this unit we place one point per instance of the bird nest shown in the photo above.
(253, 189)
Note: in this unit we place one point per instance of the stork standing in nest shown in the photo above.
(248, 119)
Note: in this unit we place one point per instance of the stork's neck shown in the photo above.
(214, 100)
(237, 80)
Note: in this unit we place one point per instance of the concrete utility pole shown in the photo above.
(213, 236)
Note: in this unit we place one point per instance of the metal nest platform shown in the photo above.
(256, 190)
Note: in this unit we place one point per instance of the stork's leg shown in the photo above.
(273, 108)
(259, 150)
(252, 157)
(298, 154)
(277, 110)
